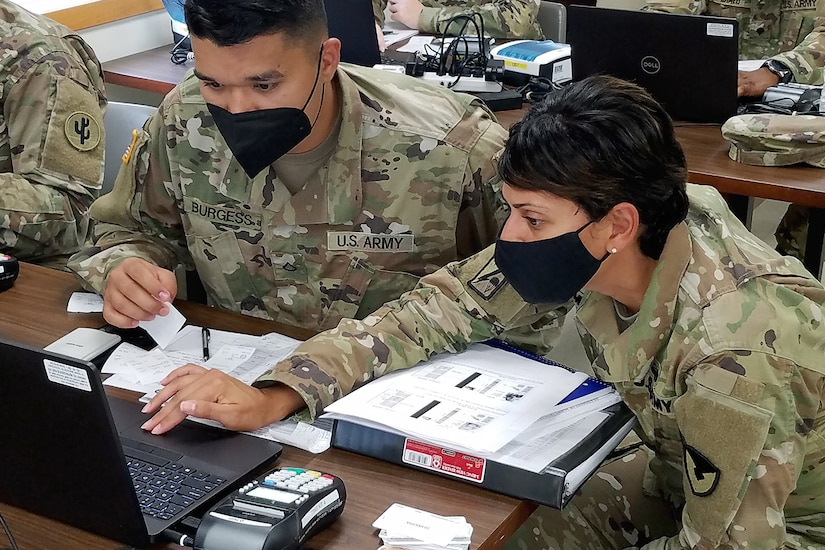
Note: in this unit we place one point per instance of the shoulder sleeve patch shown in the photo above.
(82, 130)
(702, 474)
(488, 281)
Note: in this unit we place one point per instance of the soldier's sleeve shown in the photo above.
(54, 120)
(459, 304)
(139, 218)
(806, 61)
(744, 444)
(378, 7)
(694, 7)
(502, 18)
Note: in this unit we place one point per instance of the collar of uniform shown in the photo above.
(334, 196)
(627, 356)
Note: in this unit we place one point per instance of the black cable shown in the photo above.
(8, 535)
(180, 55)
(181, 539)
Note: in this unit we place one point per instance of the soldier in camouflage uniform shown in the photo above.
(395, 179)
(713, 340)
(792, 34)
(51, 137)
(502, 18)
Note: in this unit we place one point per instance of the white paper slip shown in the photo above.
(163, 329)
(416, 43)
(85, 302)
(418, 524)
(750, 64)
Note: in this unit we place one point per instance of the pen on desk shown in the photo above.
(205, 336)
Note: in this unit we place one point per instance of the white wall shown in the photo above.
(129, 36)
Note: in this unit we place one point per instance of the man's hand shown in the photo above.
(754, 83)
(212, 394)
(137, 290)
(406, 12)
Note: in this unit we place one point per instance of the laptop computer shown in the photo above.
(687, 62)
(70, 452)
(352, 22)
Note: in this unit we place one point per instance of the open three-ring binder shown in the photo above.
(453, 430)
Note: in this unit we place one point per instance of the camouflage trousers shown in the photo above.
(39, 223)
(792, 231)
(609, 511)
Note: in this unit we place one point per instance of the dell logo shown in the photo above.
(650, 65)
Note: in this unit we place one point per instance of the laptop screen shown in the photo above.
(687, 62)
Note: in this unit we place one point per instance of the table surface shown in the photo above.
(34, 312)
(705, 149)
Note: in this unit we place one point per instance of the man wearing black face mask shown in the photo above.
(300, 190)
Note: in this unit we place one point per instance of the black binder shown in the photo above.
(553, 487)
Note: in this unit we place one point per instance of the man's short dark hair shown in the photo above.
(600, 142)
(233, 22)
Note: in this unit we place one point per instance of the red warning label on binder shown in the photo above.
(441, 459)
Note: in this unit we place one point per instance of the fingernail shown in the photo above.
(135, 323)
(156, 430)
(145, 425)
(188, 407)
(145, 408)
(163, 311)
(164, 296)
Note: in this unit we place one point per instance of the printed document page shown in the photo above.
(478, 400)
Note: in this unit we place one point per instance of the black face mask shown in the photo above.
(259, 138)
(550, 271)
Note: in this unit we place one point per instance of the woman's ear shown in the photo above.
(624, 227)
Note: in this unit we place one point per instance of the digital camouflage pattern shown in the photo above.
(776, 140)
(502, 18)
(780, 140)
(51, 137)
(410, 186)
(723, 368)
(790, 31)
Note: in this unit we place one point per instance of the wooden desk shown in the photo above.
(705, 150)
(34, 312)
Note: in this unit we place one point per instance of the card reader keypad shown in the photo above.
(293, 479)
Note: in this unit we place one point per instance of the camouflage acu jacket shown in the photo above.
(502, 18)
(723, 367)
(410, 187)
(51, 135)
(790, 31)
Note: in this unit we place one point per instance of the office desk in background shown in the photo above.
(34, 312)
(705, 149)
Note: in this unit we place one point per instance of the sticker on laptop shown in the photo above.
(725, 30)
(67, 375)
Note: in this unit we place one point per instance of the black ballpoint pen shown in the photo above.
(205, 336)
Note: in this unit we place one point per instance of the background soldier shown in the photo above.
(502, 18)
(51, 137)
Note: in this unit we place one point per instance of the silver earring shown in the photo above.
(612, 250)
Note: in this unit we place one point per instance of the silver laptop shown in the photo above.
(687, 62)
(70, 452)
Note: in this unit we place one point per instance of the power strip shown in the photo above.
(464, 84)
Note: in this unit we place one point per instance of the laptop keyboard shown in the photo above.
(166, 487)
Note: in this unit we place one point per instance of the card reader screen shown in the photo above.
(273, 494)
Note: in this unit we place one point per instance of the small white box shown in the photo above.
(84, 343)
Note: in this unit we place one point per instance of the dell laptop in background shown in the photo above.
(63, 447)
(353, 23)
(687, 62)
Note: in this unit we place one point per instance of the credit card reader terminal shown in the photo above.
(277, 511)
